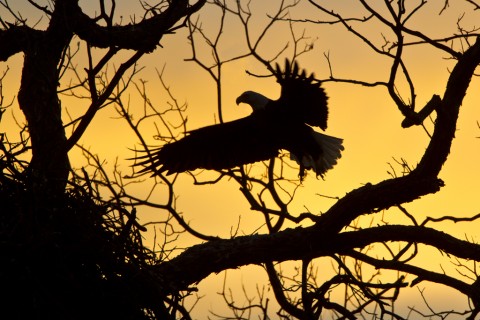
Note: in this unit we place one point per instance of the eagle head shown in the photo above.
(253, 99)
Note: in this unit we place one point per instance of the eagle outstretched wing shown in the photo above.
(216, 147)
(302, 95)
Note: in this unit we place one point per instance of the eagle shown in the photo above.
(273, 125)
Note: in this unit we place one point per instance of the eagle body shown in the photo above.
(273, 125)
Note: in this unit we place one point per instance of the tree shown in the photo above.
(162, 278)
(42, 221)
(44, 53)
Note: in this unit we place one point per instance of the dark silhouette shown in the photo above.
(273, 125)
(72, 246)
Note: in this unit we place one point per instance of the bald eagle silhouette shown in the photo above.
(273, 125)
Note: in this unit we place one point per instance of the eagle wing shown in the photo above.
(216, 147)
(302, 95)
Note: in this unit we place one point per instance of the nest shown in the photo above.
(70, 257)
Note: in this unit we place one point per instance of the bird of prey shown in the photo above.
(273, 125)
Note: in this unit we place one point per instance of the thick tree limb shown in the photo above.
(373, 198)
(199, 261)
(16, 39)
(144, 36)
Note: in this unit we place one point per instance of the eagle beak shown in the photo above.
(239, 100)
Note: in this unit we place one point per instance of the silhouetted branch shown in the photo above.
(298, 244)
(142, 36)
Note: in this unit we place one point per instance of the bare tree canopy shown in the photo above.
(44, 51)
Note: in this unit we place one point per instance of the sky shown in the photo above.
(366, 118)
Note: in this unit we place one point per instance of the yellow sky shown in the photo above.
(365, 118)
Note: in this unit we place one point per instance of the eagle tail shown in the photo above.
(332, 151)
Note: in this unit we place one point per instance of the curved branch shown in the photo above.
(422, 274)
(144, 35)
(98, 101)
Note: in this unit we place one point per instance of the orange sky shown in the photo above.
(365, 118)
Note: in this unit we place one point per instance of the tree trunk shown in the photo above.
(38, 99)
